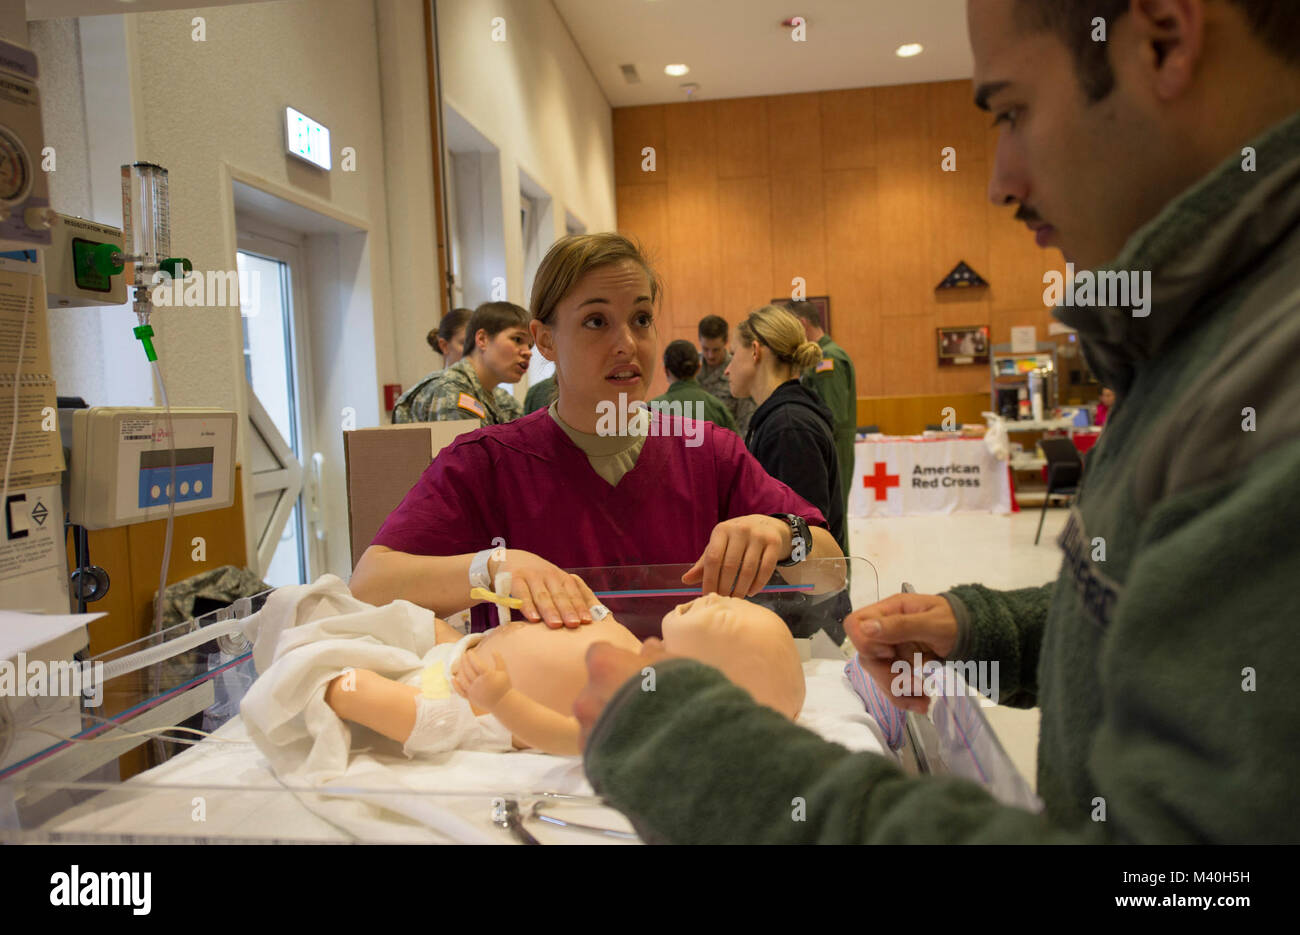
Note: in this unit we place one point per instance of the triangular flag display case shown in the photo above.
(962, 277)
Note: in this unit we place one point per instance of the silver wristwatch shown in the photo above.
(478, 568)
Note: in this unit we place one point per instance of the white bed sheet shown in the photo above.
(231, 788)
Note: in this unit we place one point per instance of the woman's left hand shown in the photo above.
(741, 556)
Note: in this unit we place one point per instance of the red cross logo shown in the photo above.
(881, 481)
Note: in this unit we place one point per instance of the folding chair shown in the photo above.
(1064, 471)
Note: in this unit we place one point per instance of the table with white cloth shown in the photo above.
(907, 476)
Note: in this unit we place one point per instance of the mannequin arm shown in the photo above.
(487, 685)
(536, 725)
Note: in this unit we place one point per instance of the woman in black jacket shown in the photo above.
(791, 433)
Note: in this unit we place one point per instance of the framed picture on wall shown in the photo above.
(965, 345)
(823, 303)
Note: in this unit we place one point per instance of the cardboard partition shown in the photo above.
(383, 464)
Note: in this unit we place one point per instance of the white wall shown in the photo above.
(535, 99)
(214, 108)
(86, 110)
(409, 158)
(475, 216)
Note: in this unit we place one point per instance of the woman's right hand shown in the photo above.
(897, 629)
(549, 592)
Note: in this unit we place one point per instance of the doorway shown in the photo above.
(277, 368)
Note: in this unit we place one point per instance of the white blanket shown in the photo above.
(304, 637)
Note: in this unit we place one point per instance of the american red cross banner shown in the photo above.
(904, 476)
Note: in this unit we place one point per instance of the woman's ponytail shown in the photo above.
(808, 354)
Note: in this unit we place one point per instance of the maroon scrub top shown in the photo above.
(529, 484)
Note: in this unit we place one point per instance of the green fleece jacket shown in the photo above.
(1164, 658)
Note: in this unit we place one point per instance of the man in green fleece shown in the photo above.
(1163, 659)
(685, 396)
(835, 381)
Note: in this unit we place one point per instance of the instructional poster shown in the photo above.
(33, 563)
(38, 449)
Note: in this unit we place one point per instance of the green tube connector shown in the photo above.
(145, 334)
(176, 266)
(102, 259)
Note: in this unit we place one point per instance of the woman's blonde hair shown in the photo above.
(570, 258)
(783, 334)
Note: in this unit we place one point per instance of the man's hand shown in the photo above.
(741, 555)
(483, 684)
(896, 629)
(608, 668)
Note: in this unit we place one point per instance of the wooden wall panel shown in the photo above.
(691, 140)
(848, 129)
(853, 270)
(745, 244)
(794, 127)
(904, 162)
(634, 129)
(742, 138)
(909, 415)
(643, 213)
(846, 190)
(798, 236)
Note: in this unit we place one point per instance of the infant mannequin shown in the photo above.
(529, 676)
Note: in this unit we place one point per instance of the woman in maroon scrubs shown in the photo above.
(562, 491)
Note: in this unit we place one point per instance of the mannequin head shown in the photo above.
(750, 644)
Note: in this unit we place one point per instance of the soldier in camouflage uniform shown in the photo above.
(714, 358)
(836, 383)
(498, 347)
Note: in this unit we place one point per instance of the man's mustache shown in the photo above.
(1028, 215)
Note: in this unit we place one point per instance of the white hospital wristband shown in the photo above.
(478, 568)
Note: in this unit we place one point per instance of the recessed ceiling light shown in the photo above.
(676, 70)
(907, 51)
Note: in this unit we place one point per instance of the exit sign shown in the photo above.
(307, 139)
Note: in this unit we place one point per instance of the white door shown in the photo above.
(286, 499)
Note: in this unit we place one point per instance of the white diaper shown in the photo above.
(448, 723)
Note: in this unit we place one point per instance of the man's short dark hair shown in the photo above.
(494, 317)
(1276, 23)
(682, 360)
(713, 326)
(806, 311)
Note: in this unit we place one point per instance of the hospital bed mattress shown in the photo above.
(222, 792)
